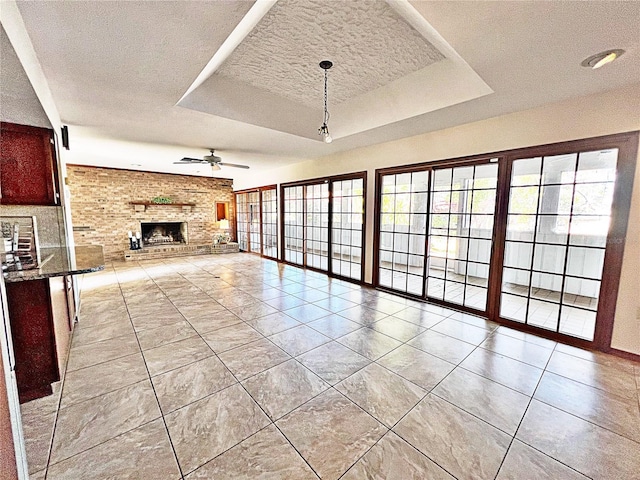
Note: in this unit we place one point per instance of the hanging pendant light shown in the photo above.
(323, 131)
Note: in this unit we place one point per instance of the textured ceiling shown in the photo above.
(116, 69)
(368, 42)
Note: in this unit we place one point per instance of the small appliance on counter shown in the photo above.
(19, 249)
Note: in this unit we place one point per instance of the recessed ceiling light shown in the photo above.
(600, 59)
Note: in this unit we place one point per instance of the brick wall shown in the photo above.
(102, 214)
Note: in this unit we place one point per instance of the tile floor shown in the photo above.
(235, 367)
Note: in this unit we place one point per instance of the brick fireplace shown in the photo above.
(107, 203)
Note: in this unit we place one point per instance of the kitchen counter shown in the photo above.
(55, 262)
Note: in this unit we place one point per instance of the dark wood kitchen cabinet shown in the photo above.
(28, 175)
(34, 340)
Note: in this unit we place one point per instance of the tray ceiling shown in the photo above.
(384, 52)
(368, 42)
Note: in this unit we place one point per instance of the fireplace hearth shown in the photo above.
(163, 233)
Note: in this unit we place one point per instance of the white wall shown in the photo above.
(18, 101)
(603, 114)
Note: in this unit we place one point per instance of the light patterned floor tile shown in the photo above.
(457, 441)
(331, 433)
(394, 459)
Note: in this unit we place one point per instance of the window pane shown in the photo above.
(518, 255)
(549, 258)
(435, 288)
(559, 169)
(578, 323)
(597, 166)
(420, 181)
(400, 281)
(454, 292)
(401, 242)
(479, 250)
(589, 230)
(556, 199)
(484, 201)
(523, 200)
(543, 314)
(385, 277)
(526, 171)
(388, 184)
(545, 286)
(593, 199)
(486, 176)
(416, 244)
(513, 307)
(521, 227)
(579, 292)
(461, 177)
(475, 297)
(442, 179)
(414, 284)
(585, 262)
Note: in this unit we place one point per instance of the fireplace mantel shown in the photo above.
(142, 206)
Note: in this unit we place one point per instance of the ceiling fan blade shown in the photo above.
(193, 160)
(232, 165)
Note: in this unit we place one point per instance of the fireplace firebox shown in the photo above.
(163, 233)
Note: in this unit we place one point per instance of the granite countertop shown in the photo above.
(54, 262)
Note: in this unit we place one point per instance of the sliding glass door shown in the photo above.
(346, 227)
(316, 239)
(557, 225)
(293, 220)
(403, 231)
(257, 221)
(270, 223)
(461, 217)
(535, 240)
(253, 206)
(324, 224)
(242, 221)
(436, 226)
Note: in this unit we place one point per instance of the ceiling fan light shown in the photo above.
(215, 167)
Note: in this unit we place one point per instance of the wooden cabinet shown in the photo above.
(34, 341)
(27, 169)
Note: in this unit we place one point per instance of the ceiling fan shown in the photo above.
(212, 160)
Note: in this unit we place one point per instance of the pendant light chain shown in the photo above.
(323, 131)
(326, 111)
